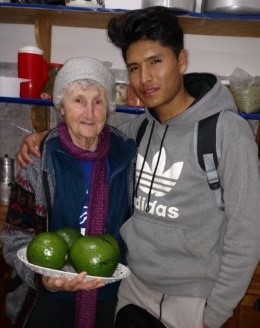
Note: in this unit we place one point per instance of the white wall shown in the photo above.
(220, 55)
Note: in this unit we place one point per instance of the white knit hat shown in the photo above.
(83, 68)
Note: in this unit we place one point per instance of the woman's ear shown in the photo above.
(183, 61)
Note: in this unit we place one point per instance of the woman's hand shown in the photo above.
(58, 284)
(30, 145)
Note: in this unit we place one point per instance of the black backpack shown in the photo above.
(206, 152)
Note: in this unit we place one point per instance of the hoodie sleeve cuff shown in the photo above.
(214, 319)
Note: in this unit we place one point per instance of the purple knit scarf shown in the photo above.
(85, 313)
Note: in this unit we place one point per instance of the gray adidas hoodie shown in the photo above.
(185, 245)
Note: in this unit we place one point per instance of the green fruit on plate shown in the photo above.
(95, 255)
(48, 250)
(68, 234)
(111, 240)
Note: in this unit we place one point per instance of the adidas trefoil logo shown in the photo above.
(164, 180)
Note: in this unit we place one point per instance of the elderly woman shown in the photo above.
(81, 181)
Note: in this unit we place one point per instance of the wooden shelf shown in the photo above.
(44, 17)
(56, 15)
(192, 23)
(220, 26)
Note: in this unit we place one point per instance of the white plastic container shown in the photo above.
(10, 86)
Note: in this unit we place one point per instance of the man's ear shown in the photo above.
(183, 61)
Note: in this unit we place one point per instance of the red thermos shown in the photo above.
(32, 66)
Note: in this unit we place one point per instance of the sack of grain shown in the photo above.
(245, 89)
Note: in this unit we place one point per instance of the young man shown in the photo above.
(191, 261)
(191, 256)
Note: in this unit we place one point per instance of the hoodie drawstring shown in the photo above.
(154, 173)
(157, 163)
(146, 152)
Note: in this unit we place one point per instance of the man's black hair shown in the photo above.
(153, 23)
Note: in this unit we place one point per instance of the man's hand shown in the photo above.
(30, 145)
(57, 284)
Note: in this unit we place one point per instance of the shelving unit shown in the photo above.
(119, 109)
(44, 17)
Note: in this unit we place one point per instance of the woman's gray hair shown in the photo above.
(84, 68)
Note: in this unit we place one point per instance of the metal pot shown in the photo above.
(182, 5)
(231, 6)
(6, 178)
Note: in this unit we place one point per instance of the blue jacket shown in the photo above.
(68, 172)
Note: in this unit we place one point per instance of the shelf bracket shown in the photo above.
(43, 36)
(40, 116)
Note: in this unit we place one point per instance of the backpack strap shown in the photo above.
(207, 155)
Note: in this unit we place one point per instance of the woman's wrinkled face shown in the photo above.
(84, 108)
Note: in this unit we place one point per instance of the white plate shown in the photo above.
(121, 271)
